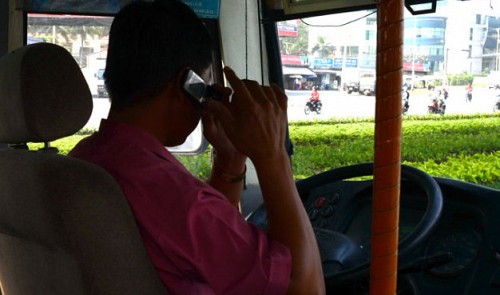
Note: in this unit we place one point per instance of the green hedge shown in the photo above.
(483, 168)
(464, 147)
(460, 79)
(459, 147)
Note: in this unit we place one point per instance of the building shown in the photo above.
(491, 60)
(294, 58)
(435, 45)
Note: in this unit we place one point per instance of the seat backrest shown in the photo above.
(65, 226)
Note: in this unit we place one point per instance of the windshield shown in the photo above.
(450, 87)
(450, 49)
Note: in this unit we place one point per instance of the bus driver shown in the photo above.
(196, 238)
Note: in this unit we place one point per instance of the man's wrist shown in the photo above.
(230, 168)
(229, 177)
(232, 163)
(271, 160)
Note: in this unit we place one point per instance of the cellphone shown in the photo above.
(197, 88)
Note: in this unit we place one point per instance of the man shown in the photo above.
(315, 97)
(193, 232)
(315, 94)
(468, 92)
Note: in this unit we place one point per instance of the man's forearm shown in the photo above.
(289, 224)
(228, 177)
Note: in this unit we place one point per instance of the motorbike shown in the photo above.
(406, 101)
(437, 106)
(468, 96)
(313, 106)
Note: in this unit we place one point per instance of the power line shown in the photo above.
(341, 25)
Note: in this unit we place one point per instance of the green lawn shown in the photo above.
(464, 147)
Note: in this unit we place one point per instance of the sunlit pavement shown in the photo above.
(339, 104)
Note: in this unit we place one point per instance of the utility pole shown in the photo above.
(416, 35)
(413, 56)
(446, 66)
(496, 56)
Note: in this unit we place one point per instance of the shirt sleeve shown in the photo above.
(221, 249)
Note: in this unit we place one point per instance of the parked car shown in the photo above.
(101, 88)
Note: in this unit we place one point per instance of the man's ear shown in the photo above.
(174, 88)
(181, 79)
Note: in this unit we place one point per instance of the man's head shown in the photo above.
(150, 44)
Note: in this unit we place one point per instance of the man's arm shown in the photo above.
(289, 224)
(228, 176)
(228, 165)
(256, 124)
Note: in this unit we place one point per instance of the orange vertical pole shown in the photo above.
(387, 163)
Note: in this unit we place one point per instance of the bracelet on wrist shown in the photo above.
(228, 177)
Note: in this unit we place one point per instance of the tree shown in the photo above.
(296, 45)
(322, 48)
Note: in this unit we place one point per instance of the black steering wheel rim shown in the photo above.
(409, 242)
(422, 179)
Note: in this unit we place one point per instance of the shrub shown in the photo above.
(464, 147)
(460, 79)
(440, 146)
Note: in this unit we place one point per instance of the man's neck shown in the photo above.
(143, 117)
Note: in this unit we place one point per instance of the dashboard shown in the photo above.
(460, 256)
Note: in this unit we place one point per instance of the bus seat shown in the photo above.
(65, 226)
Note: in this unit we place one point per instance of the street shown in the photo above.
(339, 104)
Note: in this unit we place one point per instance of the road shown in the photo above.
(339, 104)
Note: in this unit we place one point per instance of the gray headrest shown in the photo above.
(43, 94)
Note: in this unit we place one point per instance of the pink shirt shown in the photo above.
(198, 242)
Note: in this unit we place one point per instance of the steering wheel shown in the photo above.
(343, 259)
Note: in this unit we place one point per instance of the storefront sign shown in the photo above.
(323, 63)
(291, 60)
(288, 29)
(349, 63)
(418, 67)
(204, 8)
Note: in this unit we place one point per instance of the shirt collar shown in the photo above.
(134, 136)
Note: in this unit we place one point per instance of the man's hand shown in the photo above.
(227, 159)
(255, 122)
(255, 119)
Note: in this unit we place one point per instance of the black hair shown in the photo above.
(149, 44)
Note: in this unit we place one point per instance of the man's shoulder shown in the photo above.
(83, 148)
(109, 153)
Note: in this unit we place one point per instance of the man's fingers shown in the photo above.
(235, 82)
(208, 121)
(270, 95)
(257, 92)
(223, 93)
(222, 113)
(280, 97)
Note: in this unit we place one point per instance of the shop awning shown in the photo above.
(321, 71)
(299, 71)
